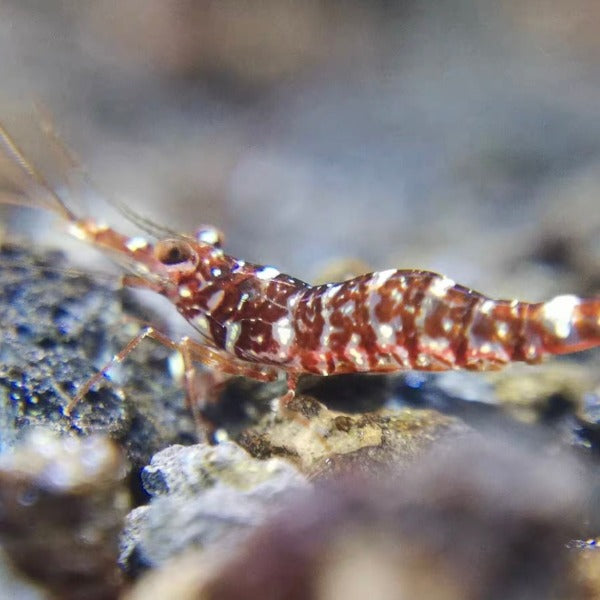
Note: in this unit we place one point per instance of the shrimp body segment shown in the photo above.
(381, 322)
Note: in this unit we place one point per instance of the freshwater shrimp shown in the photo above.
(251, 320)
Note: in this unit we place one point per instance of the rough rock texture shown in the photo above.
(58, 329)
(324, 442)
(204, 496)
(62, 504)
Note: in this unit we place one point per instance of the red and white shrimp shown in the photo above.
(254, 321)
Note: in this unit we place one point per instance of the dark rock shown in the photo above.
(58, 329)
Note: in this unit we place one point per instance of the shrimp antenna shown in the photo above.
(16, 154)
(46, 124)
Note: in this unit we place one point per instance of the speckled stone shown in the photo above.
(58, 329)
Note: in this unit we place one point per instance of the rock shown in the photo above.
(62, 503)
(586, 569)
(57, 330)
(535, 394)
(203, 496)
(562, 394)
(323, 442)
(483, 519)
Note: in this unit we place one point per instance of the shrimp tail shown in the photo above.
(570, 324)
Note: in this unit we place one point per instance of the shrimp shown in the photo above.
(254, 321)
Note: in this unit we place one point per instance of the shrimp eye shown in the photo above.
(174, 252)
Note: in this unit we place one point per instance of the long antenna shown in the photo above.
(47, 126)
(18, 157)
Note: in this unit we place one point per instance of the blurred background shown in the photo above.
(459, 136)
